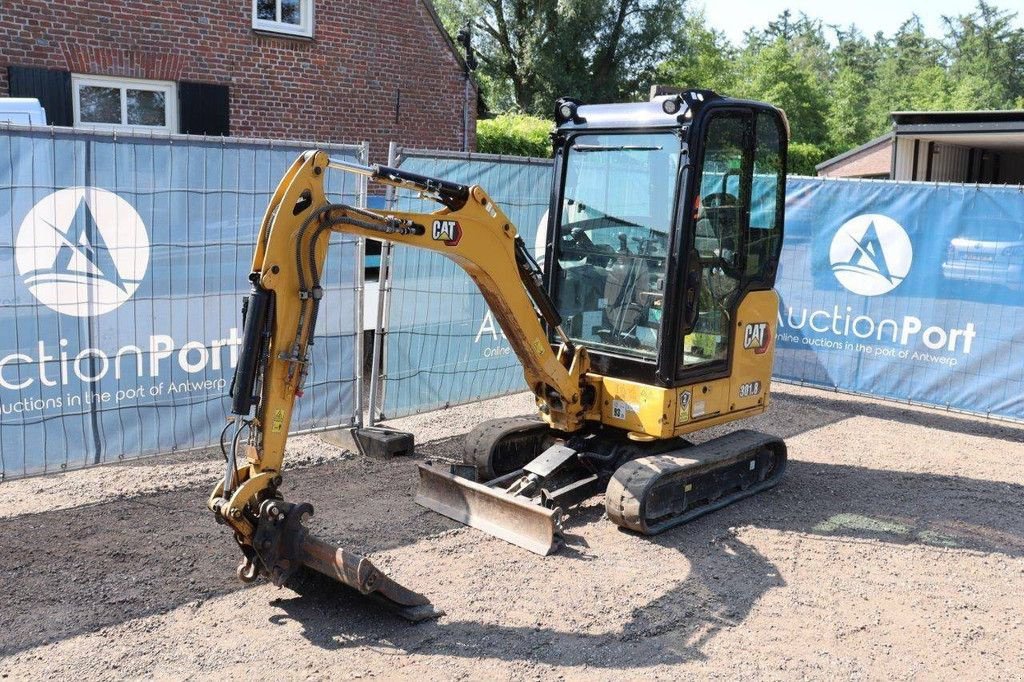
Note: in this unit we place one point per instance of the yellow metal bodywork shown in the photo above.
(667, 412)
(477, 236)
(480, 239)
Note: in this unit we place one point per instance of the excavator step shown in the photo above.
(513, 518)
(652, 494)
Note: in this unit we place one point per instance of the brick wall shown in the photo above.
(875, 160)
(341, 86)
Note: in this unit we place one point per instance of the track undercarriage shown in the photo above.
(519, 477)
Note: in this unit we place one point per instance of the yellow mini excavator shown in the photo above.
(653, 318)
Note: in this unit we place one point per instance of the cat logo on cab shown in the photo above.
(757, 336)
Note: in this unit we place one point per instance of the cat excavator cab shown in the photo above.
(653, 318)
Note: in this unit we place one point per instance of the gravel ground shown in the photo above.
(893, 549)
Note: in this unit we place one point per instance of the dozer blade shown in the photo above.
(512, 518)
(283, 545)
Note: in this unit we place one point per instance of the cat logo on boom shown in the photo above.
(447, 231)
(757, 336)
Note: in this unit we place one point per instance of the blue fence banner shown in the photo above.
(125, 258)
(444, 346)
(909, 291)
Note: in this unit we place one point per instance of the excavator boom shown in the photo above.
(280, 320)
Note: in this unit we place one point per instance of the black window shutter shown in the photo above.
(52, 88)
(203, 109)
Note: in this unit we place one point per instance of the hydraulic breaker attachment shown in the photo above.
(282, 545)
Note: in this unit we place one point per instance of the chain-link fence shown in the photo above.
(443, 347)
(125, 259)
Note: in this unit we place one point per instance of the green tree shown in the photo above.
(905, 72)
(536, 51)
(930, 89)
(854, 51)
(984, 47)
(805, 38)
(705, 60)
(803, 157)
(847, 126)
(837, 93)
(774, 74)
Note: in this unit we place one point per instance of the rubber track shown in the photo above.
(480, 443)
(629, 489)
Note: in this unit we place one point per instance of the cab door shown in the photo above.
(719, 220)
(737, 205)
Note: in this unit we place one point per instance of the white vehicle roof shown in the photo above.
(22, 111)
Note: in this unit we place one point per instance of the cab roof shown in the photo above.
(628, 115)
(650, 114)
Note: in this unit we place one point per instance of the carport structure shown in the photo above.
(985, 147)
(959, 146)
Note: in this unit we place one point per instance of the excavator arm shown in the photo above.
(280, 319)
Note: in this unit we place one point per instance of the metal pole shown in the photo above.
(383, 288)
(360, 289)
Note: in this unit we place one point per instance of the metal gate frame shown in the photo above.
(378, 362)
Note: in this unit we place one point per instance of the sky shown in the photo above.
(736, 16)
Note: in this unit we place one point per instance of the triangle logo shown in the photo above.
(82, 251)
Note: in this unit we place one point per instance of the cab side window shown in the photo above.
(719, 211)
(764, 236)
(719, 221)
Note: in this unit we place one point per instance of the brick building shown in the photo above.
(870, 160)
(320, 70)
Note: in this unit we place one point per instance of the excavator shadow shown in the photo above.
(671, 629)
(75, 571)
(725, 579)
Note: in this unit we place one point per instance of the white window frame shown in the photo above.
(304, 29)
(169, 88)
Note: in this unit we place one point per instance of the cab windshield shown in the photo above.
(613, 239)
